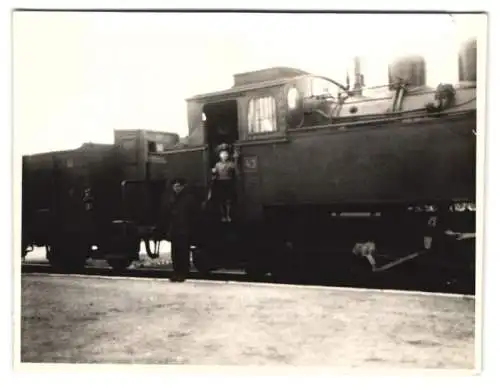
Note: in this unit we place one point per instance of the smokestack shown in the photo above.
(358, 77)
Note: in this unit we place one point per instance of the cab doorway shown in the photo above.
(221, 125)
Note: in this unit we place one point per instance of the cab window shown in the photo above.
(262, 115)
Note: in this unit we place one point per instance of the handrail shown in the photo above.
(382, 118)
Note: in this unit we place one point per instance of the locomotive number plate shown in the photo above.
(250, 163)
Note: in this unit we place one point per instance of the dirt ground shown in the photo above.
(89, 320)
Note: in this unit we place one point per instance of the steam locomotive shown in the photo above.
(331, 180)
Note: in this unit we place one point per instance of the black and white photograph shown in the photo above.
(289, 189)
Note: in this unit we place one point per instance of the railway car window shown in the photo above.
(262, 115)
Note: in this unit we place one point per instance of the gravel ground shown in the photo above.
(98, 320)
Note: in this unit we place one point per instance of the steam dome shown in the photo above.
(410, 69)
(467, 61)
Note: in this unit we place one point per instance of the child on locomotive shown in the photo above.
(224, 176)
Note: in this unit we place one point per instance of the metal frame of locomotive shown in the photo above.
(326, 174)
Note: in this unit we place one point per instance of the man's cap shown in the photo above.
(179, 180)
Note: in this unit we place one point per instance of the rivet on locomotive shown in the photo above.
(331, 181)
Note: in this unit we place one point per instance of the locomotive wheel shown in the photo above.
(123, 252)
(201, 261)
(120, 264)
(257, 266)
(65, 257)
(255, 271)
(259, 260)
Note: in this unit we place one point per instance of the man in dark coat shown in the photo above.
(181, 211)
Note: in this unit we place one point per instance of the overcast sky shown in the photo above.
(77, 76)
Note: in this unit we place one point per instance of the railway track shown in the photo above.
(241, 276)
(157, 273)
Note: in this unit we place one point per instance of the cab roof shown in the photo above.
(263, 78)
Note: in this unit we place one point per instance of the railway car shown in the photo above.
(99, 200)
